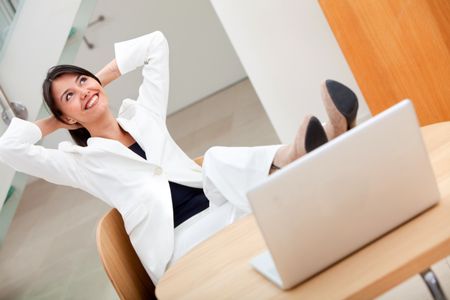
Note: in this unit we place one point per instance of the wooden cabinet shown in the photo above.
(397, 49)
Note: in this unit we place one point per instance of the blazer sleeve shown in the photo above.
(152, 52)
(18, 151)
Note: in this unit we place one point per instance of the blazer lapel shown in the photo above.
(148, 136)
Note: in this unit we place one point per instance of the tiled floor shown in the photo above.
(50, 250)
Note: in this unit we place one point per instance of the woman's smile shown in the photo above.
(91, 102)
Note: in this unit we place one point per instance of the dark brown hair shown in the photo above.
(80, 135)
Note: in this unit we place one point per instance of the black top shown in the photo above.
(186, 201)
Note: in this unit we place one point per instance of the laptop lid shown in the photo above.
(345, 194)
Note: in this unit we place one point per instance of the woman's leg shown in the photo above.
(229, 172)
(341, 105)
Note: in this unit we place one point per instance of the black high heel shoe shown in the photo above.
(340, 100)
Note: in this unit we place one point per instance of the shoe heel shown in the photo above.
(351, 119)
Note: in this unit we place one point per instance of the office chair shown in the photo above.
(121, 263)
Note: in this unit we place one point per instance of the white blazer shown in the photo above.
(139, 188)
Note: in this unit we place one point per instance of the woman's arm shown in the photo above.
(152, 52)
(18, 150)
(108, 73)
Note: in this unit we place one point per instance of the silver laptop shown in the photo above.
(343, 195)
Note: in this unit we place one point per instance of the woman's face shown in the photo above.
(81, 98)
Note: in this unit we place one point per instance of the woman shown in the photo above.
(132, 163)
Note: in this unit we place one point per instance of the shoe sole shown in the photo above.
(340, 100)
(315, 135)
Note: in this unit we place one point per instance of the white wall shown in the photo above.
(287, 49)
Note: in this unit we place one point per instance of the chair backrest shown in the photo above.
(199, 160)
(120, 261)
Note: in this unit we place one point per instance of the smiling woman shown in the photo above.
(168, 203)
(63, 104)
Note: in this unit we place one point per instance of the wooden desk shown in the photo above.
(219, 267)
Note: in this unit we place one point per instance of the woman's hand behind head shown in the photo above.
(51, 124)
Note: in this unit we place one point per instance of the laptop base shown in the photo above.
(264, 264)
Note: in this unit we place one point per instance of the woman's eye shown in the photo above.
(83, 80)
(68, 96)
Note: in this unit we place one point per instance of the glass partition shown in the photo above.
(6, 111)
(8, 9)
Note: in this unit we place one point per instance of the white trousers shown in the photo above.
(228, 173)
